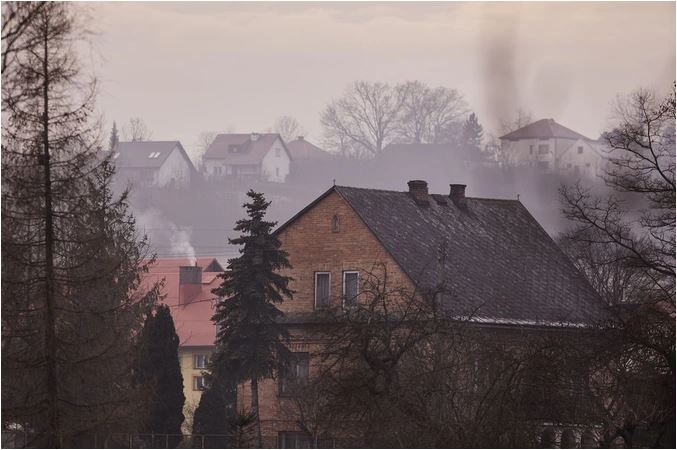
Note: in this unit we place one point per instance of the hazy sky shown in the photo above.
(190, 67)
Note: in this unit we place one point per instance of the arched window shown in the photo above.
(335, 224)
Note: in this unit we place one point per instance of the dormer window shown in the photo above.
(232, 148)
(335, 224)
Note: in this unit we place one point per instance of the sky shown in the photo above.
(185, 68)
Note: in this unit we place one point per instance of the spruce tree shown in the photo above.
(159, 372)
(472, 134)
(215, 418)
(114, 137)
(251, 342)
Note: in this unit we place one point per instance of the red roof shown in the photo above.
(193, 318)
(543, 129)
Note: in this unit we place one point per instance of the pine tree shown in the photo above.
(215, 418)
(250, 343)
(472, 134)
(114, 137)
(159, 372)
(70, 253)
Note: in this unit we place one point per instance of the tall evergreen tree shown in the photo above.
(250, 342)
(114, 137)
(159, 372)
(70, 253)
(473, 133)
(215, 418)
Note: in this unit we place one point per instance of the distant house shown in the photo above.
(254, 156)
(300, 149)
(153, 163)
(553, 147)
(187, 290)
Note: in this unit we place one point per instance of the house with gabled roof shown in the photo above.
(257, 156)
(553, 147)
(501, 271)
(153, 163)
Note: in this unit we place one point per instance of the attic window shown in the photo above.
(580, 150)
(154, 155)
(232, 149)
(335, 224)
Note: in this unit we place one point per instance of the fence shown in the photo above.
(21, 439)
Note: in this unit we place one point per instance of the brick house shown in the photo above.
(502, 268)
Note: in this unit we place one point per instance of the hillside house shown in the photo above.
(153, 164)
(503, 270)
(553, 147)
(254, 156)
(187, 290)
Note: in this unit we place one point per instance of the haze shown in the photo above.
(190, 67)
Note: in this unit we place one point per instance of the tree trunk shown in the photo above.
(54, 434)
(255, 410)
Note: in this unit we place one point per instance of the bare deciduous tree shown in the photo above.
(520, 119)
(288, 128)
(365, 119)
(136, 130)
(430, 115)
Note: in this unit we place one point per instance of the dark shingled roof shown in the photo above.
(135, 155)
(543, 129)
(501, 266)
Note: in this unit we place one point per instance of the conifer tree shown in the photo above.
(250, 342)
(215, 418)
(114, 137)
(472, 133)
(159, 373)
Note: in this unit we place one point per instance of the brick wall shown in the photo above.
(314, 247)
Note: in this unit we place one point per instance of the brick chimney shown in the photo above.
(190, 283)
(419, 190)
(457, 195)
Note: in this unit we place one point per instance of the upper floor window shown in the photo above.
(580, 150)
(199, 383)
(294, 375)
(543, 148)
(217, 170)
(277, 152)
(277, 171)
(322, 283)
(531, 149)
(350, 288)
(200, 361)
(335, 224)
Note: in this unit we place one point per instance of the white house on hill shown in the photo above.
(153, 163)
(254, 155)
(553, 147)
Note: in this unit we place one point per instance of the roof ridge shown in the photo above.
(444, 195)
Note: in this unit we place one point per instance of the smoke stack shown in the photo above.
(457, 194)
(190, 283)
(419, 190)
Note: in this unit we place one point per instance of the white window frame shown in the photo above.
(195, 358)
(328, 293)
(343, 297)
(195, 383)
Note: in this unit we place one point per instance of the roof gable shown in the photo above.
(543, 129)
(302, 149)
(240, 149)
(147, 154)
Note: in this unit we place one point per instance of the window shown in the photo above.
(294, 375)
(200, 361)
(217, 170)
(569, 166)
(116, 155)
(277, 152)
(350, 289)
(199, 383)
(154, 155)
(294, 439)
(335, 224)
(531, 149)
(322, 281)
(543, 164)
(543, 149)
(587, 164)
(277, 171)
(580, 150)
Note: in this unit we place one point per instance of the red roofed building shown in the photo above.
(187, 291)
